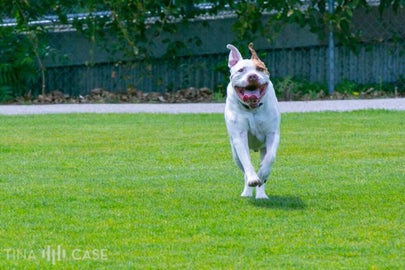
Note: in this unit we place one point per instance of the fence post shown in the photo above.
(331, 51)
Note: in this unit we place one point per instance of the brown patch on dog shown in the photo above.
(259, 63)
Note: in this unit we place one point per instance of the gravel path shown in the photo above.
(294, 106)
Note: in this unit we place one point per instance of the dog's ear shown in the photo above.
(253, 52)
(256, 59)
(234, 55)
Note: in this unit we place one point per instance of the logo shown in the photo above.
(56, 254)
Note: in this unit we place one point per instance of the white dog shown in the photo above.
(252, 118)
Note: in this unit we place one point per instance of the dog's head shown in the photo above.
(249, 77)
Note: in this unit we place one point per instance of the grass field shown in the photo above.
(146, 191)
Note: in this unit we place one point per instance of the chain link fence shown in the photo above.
(75, 65)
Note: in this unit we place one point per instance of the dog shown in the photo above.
(252, 118)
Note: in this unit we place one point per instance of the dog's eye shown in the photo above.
(241, 70)
(260, 69)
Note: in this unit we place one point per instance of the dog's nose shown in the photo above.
(253, 78)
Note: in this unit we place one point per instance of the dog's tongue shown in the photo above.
(251, 96)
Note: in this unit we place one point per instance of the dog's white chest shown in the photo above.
(256, 131)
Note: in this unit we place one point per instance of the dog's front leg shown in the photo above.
(241, 152)
(268, 155)
(247, 191)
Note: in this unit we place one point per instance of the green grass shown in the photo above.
(161, 192)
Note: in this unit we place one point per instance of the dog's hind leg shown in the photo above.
(268, 155)
(261, 192)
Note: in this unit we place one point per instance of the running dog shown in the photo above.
(252, 118)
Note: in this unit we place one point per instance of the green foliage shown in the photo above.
(140, 25)
(381, 89)
(22, 46)
(5, 93)
(285, 88)
(313, 14)
(162, 192)
(17, 68)
(347, 87)
(291, 88)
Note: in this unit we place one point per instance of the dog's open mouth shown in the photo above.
(251, 94)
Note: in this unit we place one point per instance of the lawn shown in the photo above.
(144, 191)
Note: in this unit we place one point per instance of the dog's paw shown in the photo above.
(247, 192)
(262, 197)
(254, 182)
(261, 192)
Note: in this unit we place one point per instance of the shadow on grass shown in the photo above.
(280, 202)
